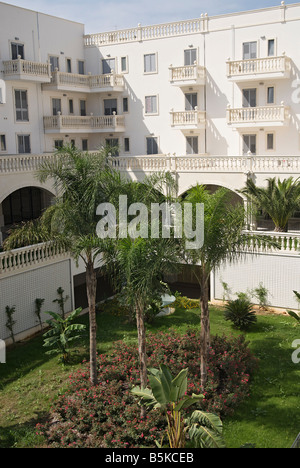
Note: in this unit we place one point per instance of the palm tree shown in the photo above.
(280, 199)
(83, 181)
(223, 239)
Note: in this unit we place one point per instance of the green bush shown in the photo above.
(240, 313)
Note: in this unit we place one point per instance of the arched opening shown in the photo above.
(22, 205)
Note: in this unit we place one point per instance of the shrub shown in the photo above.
(108, 415)
(240, 313)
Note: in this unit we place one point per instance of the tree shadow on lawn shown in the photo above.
(23, 435)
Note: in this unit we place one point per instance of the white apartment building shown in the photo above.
(215, 100)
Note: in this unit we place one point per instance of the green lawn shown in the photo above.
(270, 418)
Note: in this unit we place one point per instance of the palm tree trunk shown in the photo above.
(91, 286)
(205, 328)
(140, 323)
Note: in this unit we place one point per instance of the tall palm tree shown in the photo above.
(280, 199)
(83, 181)
(223, 242)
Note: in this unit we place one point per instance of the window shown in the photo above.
(69, 65)
(271, 47)
(2, 143)
(271, 95)
(249, 144)
(126, 145)
(191, 101)
(249, 97)
(152, 146)
(110, 106)
(108, 66)
(82, 106)
(125, 104)
(58, 144)
(270, 141)
(192, 145)
(24, 144)
(72, 142)
(17, 49)
(85, 145)
(150, 63)
(71, 106)
(151, 104)
(249, 50)
(113, 146)
(56, 106)
(21, 104)
(124, 64)
(54, 62)
(81, 67)
(190, 57)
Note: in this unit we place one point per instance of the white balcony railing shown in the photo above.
(26, 68)
(192, 118)
(161, 162)
(266, 114)
(90, 123)
(30, 257)
(259, 66)
(205, 163)
(90, 82)
(188, 74)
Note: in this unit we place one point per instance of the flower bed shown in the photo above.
(109, 416)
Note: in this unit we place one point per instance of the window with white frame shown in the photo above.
(21, 104)
(54, 62)
(249, 144)
(150, 65)
(58, 144)
(249, 50)
(17, 50)
(24, 144)
(2, 143)
(270, 141)
(126, 145)
(271, 47)
(56, 106)
(190, 57)
(108, 66)
(192, 145)
(152, 145)
(84, 144)
(81, 67)
(271, 95)
(125, 105)
(124, 64)
(151, 105)
(69, 65)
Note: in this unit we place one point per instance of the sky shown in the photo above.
(109, 15)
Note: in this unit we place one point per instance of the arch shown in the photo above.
(21, 185)
(211, 183)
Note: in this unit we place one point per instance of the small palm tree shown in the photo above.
(224, 240)
(82, 181)
(280, 199)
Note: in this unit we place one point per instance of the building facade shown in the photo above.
(214, 100)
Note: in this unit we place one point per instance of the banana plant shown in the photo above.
(62, 334)
(169, 394)
(295, 315)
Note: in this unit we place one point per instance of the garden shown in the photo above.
(49, 404)
(203, 376)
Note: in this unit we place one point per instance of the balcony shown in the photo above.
(188, 120)
(189, 75)
(27, 70)
(253, 117)
(259, 69)
(85, 83)
(84, 124)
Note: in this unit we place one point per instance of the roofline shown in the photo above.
(41, 13)
(224, 15)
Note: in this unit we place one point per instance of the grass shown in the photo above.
(270, 418)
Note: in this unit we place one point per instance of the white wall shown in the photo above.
(21, 290)
(278, 273)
